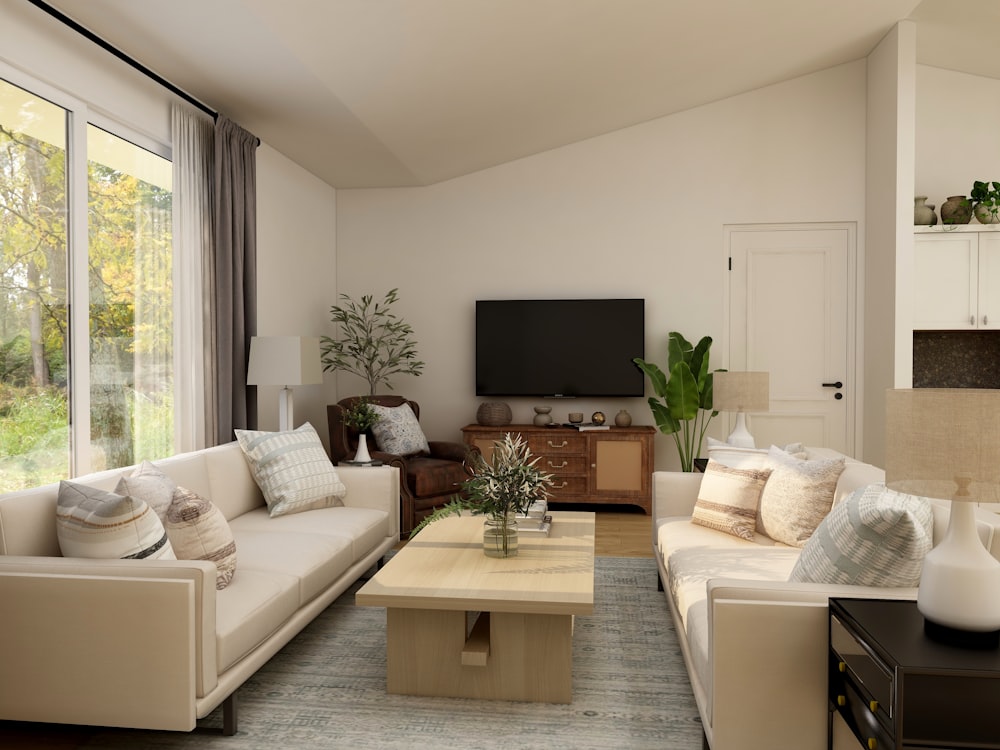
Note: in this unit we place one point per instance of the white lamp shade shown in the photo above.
(284, 360)
(741, 391)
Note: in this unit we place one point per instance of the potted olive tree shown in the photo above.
(682, 406)
(374, 342)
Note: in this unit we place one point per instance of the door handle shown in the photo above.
(838, 384)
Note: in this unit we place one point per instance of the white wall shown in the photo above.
(638, 212)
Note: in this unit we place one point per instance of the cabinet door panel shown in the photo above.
(989, 280)
(945, 271)
(618, 467)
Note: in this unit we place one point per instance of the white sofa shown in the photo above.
(755, 644)
(151, 643)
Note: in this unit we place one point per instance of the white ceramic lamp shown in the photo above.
(945, 443)
(741, 392)
(284, 361)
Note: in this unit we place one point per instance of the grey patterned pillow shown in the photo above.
(198, 531)
(150, 484)
(398, 431)
(94, 523)
(797, 496)
(292, 469)
(727, 499)
(876, 537)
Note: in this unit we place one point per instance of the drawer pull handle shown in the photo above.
(842, 666)
(873, 705)
(841, 700)
(559, 486)
(563, 444)
(872, 743)
(563, 465)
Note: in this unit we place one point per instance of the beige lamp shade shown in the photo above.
(944, 443)
(284, 360)
(741, 391)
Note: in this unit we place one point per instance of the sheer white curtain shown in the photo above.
(196, 395)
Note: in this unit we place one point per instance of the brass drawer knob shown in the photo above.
(842, 666)
(873, 705)
(841, 700)
(872, 743)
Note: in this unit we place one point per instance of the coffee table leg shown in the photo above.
(529, 657)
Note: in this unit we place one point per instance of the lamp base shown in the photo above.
(740, 437)
(984, 640)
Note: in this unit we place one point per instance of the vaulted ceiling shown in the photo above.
(371, 93)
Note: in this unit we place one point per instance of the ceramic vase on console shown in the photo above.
(542, 416)
(623, 418)
(923, 212)
(956, 210)
(362, 455)
(500, 535)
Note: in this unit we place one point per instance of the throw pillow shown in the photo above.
(728, 497)
(797, 496)
(149, 484)
(94, 523)
(398, 431)
(198, 531)
(876, 537)
(292, 469)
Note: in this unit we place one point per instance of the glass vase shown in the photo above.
(500, 536)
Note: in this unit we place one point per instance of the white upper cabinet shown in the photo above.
(956, 276)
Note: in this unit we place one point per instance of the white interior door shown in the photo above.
(791, 314)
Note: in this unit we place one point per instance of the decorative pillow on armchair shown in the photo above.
(728, 497)
(876, 537)
(292, 469)
(797, 496)
(398, 431)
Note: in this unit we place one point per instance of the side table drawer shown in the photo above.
(565, 487)
(871, 677)
(856, 711)
(560, 465)
(558, 443)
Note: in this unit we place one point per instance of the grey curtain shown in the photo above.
(235, 282)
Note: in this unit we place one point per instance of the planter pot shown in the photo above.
(956, 210)
(362, 454)
(923, 213)
(983, 215)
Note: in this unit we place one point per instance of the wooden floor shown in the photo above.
(618, 533)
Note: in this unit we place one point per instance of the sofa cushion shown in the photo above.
(728, 498)
(798, 495)
(398, 431)
(877, 537)
(248, 611)
(151, 485)
(292, 469)
(198, 531)
(91, 522)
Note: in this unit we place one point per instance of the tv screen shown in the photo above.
(563, 348)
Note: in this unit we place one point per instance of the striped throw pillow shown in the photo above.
(198, 531)
(94, 523)
(728, 497)
(876, 537)
(292, 469)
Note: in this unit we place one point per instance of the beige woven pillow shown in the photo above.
(797, 496)
(198, 531)
(728, 498)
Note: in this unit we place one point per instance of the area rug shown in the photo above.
(326, 689)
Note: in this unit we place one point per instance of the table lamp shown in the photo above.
(284, 361)
(741, 392)
(945, 443)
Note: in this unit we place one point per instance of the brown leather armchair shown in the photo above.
(426, 482)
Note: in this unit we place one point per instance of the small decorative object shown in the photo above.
(623, 418)
(923, 212)
(361, 417)
(598, 417)
(500, 488)
(986, 199)
(576, 417)
(494, 414)
(542, 416)
(362, 456)
(956, 210)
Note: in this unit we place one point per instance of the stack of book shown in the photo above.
(535, 520)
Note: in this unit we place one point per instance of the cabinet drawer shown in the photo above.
(563, 465)
(858, 665)
(856, 711)
(562, 442)
(563, 487)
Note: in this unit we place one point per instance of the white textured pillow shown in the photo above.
(797, 496)
(727, 499)
(151, 485)
(398, 431)
(876, 537)
(292, 469)
(198, 531)
(98, 524)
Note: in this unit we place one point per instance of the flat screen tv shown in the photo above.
(560, 348)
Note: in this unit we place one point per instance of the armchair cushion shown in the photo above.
(398, 431)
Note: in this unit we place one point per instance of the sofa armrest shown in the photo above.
(768, 644)
(373, 487)
(674, 493)
(106, 642)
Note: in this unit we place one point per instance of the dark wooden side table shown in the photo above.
(897, 688)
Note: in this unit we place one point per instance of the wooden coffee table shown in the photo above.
(461, 624)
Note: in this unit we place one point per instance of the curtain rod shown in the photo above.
(59, 16)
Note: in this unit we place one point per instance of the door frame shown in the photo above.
(855, 312)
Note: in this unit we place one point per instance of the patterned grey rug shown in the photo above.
(326, 689)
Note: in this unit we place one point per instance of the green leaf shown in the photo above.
(655, 375)
(682, 393)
